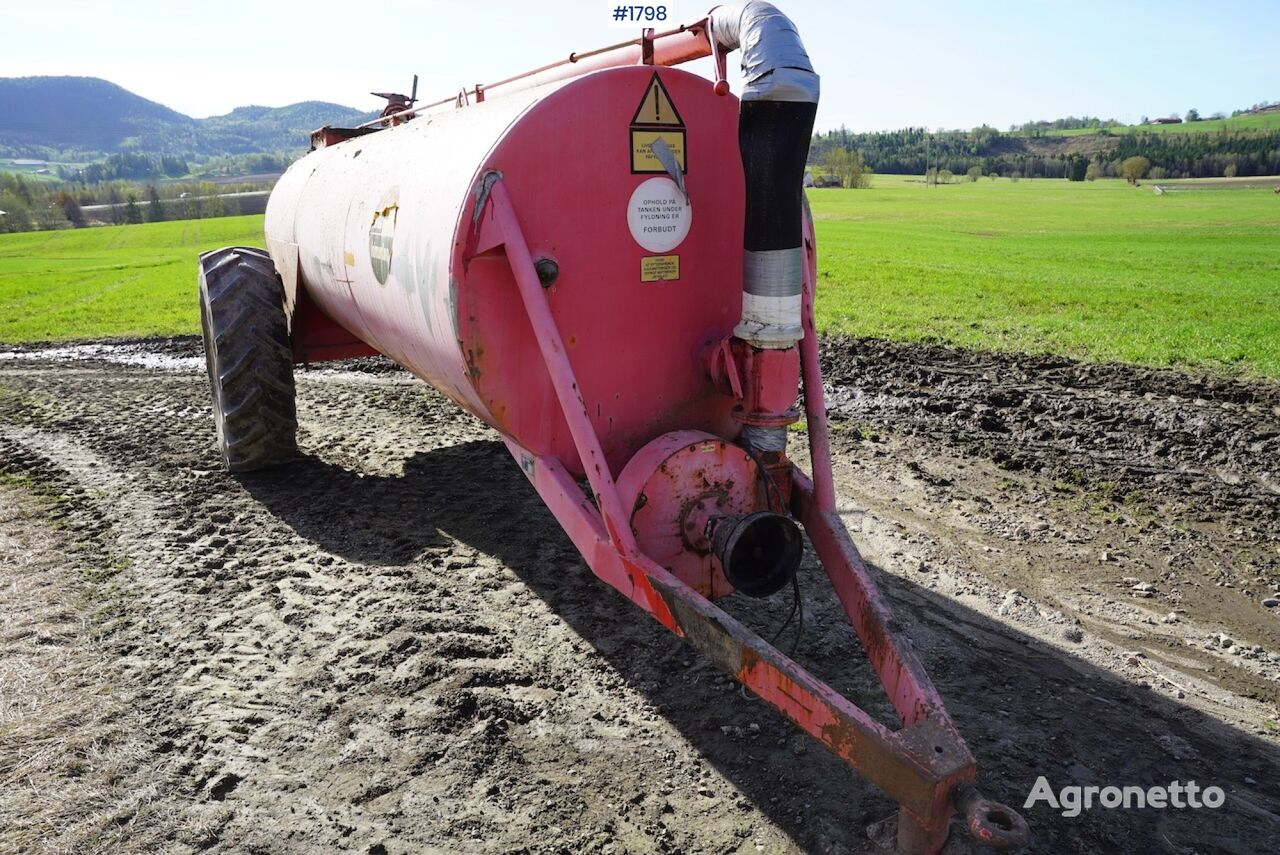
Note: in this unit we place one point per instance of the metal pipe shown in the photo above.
(815, 404)
(671, 47)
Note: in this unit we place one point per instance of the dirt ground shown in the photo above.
(390, 646)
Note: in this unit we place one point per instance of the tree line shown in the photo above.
(914, 151)
(126, 166)
(1205, 155)
(130, 166)
(1069, 123)
(39, 205)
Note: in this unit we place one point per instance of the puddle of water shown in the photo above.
(119, 354)
(137, 355)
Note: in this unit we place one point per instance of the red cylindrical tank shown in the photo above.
(646, 279)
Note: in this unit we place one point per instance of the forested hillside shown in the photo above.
(40, 116)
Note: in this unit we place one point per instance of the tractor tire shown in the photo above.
(249, 358)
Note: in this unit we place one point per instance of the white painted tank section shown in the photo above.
(422, 171)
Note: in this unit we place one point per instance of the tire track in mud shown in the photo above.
(391, 646)
(324, 694)
(1207, 439)
(1160, 486)
(313, 620)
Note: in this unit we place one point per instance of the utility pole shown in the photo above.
(926, 158)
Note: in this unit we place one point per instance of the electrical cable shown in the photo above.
(797, 608)
(797, 603)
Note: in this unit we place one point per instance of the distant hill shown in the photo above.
(80, 113)
(252, 129)
(85, 118)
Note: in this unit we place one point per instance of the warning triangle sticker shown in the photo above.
(656, 107)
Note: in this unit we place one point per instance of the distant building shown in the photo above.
(28, 162)
(1167, 120)
(808, 178)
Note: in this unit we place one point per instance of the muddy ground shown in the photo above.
(390, 646)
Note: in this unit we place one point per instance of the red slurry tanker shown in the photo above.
(608, 260)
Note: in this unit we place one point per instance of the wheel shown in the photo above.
(248, 357)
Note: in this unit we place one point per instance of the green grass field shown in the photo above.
(1097, 270)
(109, 281)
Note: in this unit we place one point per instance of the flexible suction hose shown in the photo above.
(779, 102)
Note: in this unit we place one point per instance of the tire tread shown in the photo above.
(249, 358)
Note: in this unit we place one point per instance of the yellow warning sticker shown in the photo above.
(656, 107)
(659, 268)
(643, 158)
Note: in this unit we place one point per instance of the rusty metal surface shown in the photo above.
(329, 135)
(674, 487)
(905, 764)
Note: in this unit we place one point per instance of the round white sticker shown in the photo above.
(658, 216)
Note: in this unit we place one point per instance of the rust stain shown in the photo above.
(842, 739)
(473, 359)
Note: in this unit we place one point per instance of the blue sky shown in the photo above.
(883, 65)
